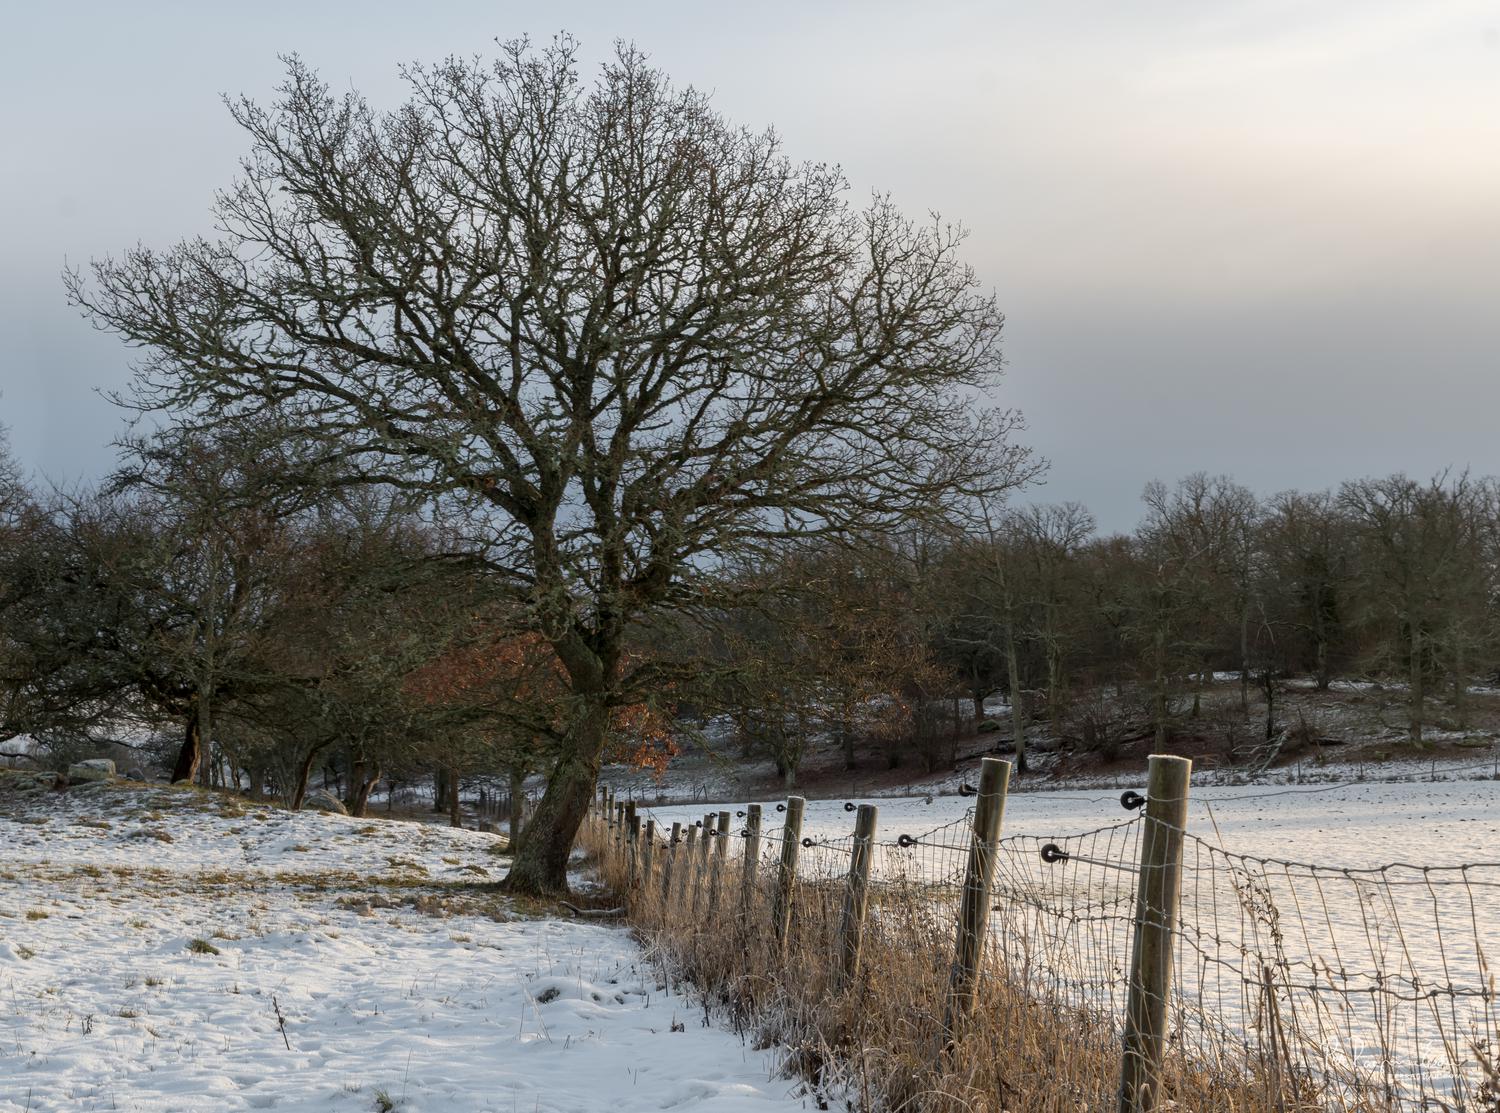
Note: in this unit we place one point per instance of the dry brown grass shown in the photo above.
(878, 1042)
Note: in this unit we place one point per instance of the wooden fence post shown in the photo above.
(685, 871)
(635, 849)
(628, 835)
(857, 895)
(701, 868)
(974, 904)
(669, 857)
(1155, 925)
(648, 851)
(791, 845)
(716, 872)
(752, 861)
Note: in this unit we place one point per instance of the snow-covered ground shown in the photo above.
(163, 952)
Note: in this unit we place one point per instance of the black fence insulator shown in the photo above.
(849, 807)
(781, 807)
(1132, 800)
(744, 832)
(697, 823)
(1054, 853)
(967, 790)
(739, 815)
(905, 841)
(808, 842)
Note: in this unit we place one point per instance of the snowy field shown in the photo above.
(162, 952)
(1375, 907)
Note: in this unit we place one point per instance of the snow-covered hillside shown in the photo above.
(161, 950)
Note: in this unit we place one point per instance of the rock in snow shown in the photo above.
(321, 801)
(93, 769)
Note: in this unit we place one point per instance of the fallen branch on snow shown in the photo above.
(594, 913)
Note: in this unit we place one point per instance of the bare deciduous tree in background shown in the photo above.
(1423, 570)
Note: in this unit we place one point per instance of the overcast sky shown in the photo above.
(1253, 238)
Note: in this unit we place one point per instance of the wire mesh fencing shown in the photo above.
(1285, 985)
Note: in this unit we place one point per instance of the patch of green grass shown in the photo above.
(202, 947)
(37, 914)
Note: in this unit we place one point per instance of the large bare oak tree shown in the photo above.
(632, 336)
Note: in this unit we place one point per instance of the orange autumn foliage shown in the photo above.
(524, 668)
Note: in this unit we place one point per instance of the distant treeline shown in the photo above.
(244, 631)
(1090, 636)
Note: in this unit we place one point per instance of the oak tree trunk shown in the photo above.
(361, 783)
(540, 866)
(190, 756)
(304, 774)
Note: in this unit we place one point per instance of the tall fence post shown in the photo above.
(700, 869)
(1156, 903)
(716, 873)
(619, 826)
(791, 844)
(648, 851)
(627, 841)
(857, 895)
(669, 858)
(635, 848)
(974, 904)
(752, 861)
(685, 871)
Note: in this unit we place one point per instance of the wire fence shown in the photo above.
(1286, 985)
